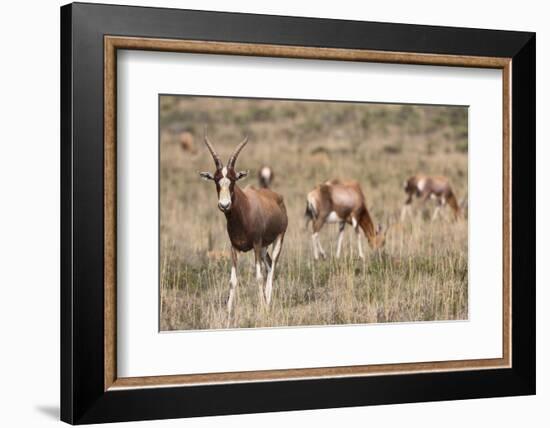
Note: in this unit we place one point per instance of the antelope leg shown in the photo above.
(317, 248)
(424, 196)
(314, 243)
(321, 251)
(341, 226)
(436, 212)
(277, 245)
(259, 275)
(232, 280)
(266, 259)
(358, 233)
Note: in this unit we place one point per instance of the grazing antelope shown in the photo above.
(341, 202)
(435, 187)
(265, 177)
(256, 218)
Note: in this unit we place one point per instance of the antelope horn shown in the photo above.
(215, 156)
(233, 158)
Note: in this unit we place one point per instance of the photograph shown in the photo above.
(284, 213)
(263, 213)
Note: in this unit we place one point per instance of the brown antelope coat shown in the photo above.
(341, 202)
(256, 218)
(435, 187)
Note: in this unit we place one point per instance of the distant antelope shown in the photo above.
(265, 177)
(256, 218)
(187, 143)
(435, 187)
(341, 202)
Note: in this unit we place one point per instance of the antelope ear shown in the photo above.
(241, 174)
(206, 176)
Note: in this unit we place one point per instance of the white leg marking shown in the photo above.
(323, 254)
(277, 245)
(359, 246)
(314, 243)
(232, 281)
(259, 275)
(260, 278)
(340, 239)
(233, 285)
(358, 233)
(264, 259)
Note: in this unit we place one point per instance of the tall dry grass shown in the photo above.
(422, 272)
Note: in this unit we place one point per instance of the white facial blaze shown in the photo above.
(266, 173)
(225, 196)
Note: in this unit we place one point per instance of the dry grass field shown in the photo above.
(420, 275)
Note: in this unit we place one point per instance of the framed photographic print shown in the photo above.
(265, 213)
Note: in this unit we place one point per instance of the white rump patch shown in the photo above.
(421, 184)
(312, 203)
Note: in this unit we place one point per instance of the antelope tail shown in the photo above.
(365, 223)
(311, 212)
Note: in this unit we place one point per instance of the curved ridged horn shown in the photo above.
(233, 158)
(215, 156)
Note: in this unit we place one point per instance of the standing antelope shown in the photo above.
(341, 202)
(435, 187)
(265, 177)
(256, 218)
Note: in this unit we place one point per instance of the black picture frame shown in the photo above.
(83, 398)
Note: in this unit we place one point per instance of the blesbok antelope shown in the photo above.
(256, 218)
(265, 177)
(341, 202)
(187, 143)
(434, 187)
